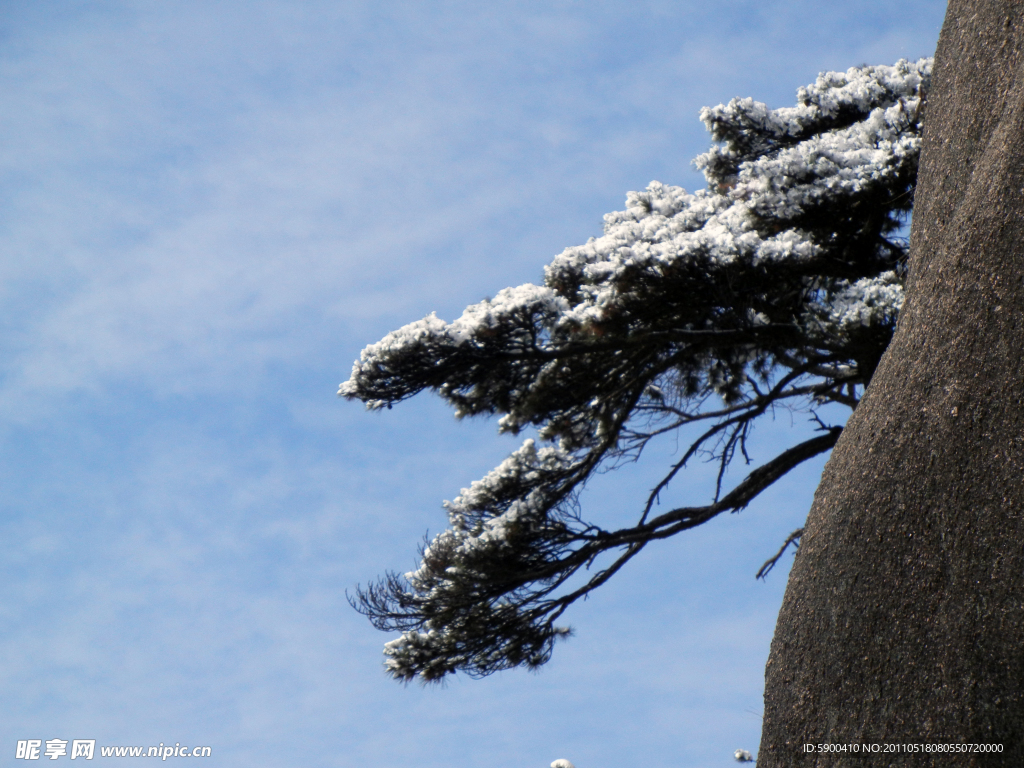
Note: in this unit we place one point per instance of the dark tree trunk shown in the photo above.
(903, 621)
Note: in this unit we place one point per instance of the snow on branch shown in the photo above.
(780, 284)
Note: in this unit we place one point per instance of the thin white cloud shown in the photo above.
(208, 208)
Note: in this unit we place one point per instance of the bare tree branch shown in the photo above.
(770, 563)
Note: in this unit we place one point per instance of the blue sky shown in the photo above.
(206, 210)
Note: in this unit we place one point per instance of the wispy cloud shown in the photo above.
(207, 210)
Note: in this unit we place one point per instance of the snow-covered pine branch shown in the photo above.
(780, 284)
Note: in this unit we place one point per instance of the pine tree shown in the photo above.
(777, 286)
